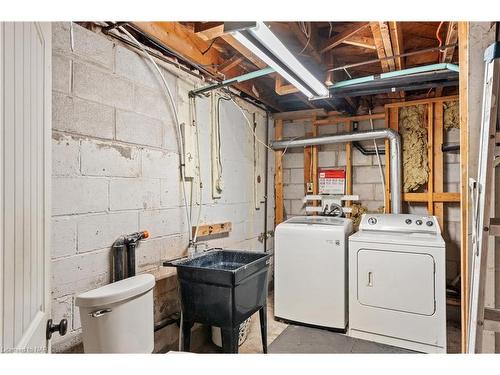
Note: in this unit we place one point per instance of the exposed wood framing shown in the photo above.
(278, 175)
(381, 37)
(299, 115)
(463, 52)
(308, 177)
(434, 196)
(230, 64)
(447, 54)
(361, 41)
(283, 88)
(209, 30)
(430, 160)
(345, 35)
(193, 48)
(311, 44)
(397, 43)
(341, 119)
(315, 161)
(438, 162)
(211, 229)
(391, 121)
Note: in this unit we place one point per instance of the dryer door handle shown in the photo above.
(370, 278)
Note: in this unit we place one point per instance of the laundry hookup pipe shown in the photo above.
(395, 150)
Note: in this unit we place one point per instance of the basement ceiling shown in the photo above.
(320, 46)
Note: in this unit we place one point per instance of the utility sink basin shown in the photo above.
(222, 288)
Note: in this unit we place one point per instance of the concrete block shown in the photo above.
(293, 160)
(82, 117)
(100, 231)
(365, 175)
(108, 159)
(163, 222)
(298, 207)
(418, 209)
(100, 86)
(65, 155)
(451, 158)
(129, 194)
(73, 195)
(63, 237)
(135, 128)
(341, 160)
(452, 173)
(296, 176)
(293, 191)
(359, 159)
(452, 212)
(154, 103)
(171, 191)
(82, 272)
(452, 187)
(159, 164)
(379, 192)
(94, 47)
(137, 68)
(293, 130)
(287, 206)
(62, 308)
(366, 192)
(327, 158)
(286, 176)
(373, 206)
(61, 36)
(61, 73)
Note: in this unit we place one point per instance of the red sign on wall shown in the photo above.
(332, 181)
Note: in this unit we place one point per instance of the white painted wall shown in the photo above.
(115, 170)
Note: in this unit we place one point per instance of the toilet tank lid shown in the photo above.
(117, 291)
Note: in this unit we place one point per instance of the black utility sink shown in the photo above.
(223, 288)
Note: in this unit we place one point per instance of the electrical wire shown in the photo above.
(439, 37)
(178, 127)
(306, 29)
(194, 117)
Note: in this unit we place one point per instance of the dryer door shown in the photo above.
(397, 281)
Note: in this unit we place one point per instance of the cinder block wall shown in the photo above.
(366, 179)
(115, 171)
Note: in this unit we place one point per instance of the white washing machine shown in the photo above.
(397, 290)
(310, 271)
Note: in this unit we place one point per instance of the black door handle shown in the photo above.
(62, 328)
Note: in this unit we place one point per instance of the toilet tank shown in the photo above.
(118, 317)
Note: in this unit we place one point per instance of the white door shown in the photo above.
(25, 173)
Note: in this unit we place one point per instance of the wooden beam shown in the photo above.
(422, 101)
(278, 175)
(308, 175)
(380, 45)
(211, 229)
(436, 197)
(338, 120)
(344, 35)
(430, 159)
(311, 46)
(209, 30)
(244, 51)
(283, 88)
(348, 165)
(299, 115)
(397, 43)
(463, 52)
(184, 42)
(438, 160)
(386, 41)
(447, 55)
(361, 41)
(230, 64)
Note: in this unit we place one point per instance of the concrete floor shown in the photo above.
(253, 343)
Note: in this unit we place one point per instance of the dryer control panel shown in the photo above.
(408, 223)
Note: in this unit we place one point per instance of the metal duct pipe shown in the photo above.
(395, 149)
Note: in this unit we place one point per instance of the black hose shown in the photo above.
(172, 319)
(118, 254)
(131, 258)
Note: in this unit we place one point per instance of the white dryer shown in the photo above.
(310, 271)
(397, 290)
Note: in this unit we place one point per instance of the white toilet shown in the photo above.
(118, 317)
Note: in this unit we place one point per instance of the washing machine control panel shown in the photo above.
(400, 223)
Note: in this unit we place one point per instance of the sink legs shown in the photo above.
(230, 339)
(263, 327)
(186, 335)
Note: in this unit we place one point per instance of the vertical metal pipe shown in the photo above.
(266, 179)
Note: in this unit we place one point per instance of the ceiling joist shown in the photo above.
(355, 28)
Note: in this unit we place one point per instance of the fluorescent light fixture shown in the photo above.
(263, 43)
